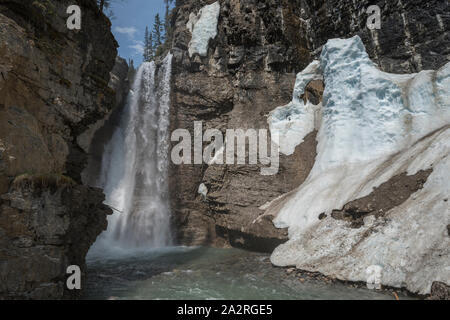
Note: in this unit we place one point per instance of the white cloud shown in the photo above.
(138, 47)
(129, 31)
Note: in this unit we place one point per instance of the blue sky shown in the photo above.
(128, 26)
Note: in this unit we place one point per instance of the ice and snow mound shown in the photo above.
(369, 121)
(367, 116)
(363, 111)
(369, 113)
(203, 27)
(294, 121)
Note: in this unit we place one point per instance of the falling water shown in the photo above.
(135, 164)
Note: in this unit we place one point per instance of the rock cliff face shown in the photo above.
(59, 103)
(53, 86)
(248, 71)
(96, 137)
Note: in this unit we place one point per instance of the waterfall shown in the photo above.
(134, 172)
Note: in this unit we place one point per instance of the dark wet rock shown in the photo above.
(53, 87)
(314, 92)
(414, 35)
(98, 135)
(236, 56)
(44, 231)
(440, 291)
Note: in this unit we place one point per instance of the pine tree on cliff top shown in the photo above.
(151, 52)
(146, 45)
(158, 30)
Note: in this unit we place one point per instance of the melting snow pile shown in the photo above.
(203, 27)
(371, 127)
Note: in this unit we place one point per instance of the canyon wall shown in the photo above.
(59, 104)
(248, 70)
(53, 88)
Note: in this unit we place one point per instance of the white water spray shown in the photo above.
(134, 172)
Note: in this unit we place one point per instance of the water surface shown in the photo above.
(203, 273)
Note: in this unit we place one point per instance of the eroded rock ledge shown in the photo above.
(387, 196)
(43, 231)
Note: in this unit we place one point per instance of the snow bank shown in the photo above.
(410, 244)
(369, 129)
(203, 27)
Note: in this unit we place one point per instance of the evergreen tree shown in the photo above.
(150, 53)
(158, 41)
(146, 45)
(158, 30)
(131, 69)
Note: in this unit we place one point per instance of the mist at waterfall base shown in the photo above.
(135, 258)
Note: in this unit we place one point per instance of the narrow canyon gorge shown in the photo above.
(362, 116)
